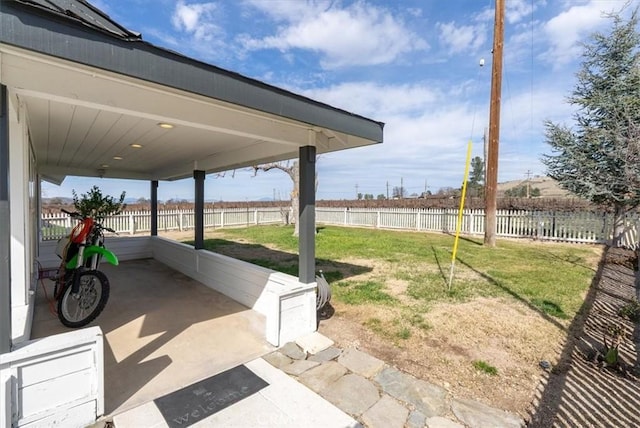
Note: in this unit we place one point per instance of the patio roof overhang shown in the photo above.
(90, 94)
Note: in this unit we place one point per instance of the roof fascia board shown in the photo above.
(48, 34)
(60, 172)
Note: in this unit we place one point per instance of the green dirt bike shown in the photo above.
(81, 290)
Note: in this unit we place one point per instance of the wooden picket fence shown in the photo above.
(55, 226)
(582, 227)
(579, 227)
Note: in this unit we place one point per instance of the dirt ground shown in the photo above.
(508, 337)
(504, 333)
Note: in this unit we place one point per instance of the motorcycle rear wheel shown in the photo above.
(78, 310)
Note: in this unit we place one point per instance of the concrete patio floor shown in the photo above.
(163, 330)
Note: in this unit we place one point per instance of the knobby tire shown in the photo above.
(78, 311)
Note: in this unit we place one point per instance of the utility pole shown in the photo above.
(528, 174)
(490, 225)
(401, 188)
(425, 187)
(387, 190)
(485, 141)
(356, 190)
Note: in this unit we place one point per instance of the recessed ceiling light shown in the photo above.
(117, 157)
(165, 125)
(104, 165)
(136, 146)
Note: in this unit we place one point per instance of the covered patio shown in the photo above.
(81, 95)
(162, 330)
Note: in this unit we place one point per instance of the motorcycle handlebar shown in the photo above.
(72, 214)
(79, 216)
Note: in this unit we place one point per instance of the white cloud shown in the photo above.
(463, 37)
(427, 130)
(566, 30)
(197, 19)
(287, 10)
(429, 147)
(377, 100)
(517, 10)
(425, 136)
(359, 34)
(486, 15)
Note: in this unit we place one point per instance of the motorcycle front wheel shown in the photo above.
(79, 309)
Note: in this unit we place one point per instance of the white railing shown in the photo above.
(57, 225)
(585, 227)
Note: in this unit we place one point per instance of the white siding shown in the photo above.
(54, 381)
(288, 305)
(125, 248)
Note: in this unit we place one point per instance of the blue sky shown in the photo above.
(413, 64)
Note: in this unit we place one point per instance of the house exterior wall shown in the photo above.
(22, 208)
(57, 380)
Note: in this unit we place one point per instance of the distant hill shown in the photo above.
(57, 200)
(549, 188)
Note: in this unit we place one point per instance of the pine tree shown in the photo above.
(476, 177)
(599, 159)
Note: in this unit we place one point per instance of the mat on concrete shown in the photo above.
(202, 399)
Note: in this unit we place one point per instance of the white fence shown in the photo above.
(585, 227)
(56, 226)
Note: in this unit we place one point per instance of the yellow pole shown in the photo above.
(459, 223)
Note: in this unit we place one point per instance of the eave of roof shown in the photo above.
(65, 36)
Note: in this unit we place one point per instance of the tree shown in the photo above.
(398, 193)
(476, 177)
(292, 170)
(448, 192)
(381, 197)
(521, 192)
(94, 204)
(360, 196)
(599, 159)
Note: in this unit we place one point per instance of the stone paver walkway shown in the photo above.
(378, 395)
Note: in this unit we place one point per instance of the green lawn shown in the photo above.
(551, 278)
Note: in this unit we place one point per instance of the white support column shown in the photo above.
(21, 229)
(307, 215)
(5, 235)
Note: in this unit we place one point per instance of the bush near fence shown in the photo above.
(565, 226)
